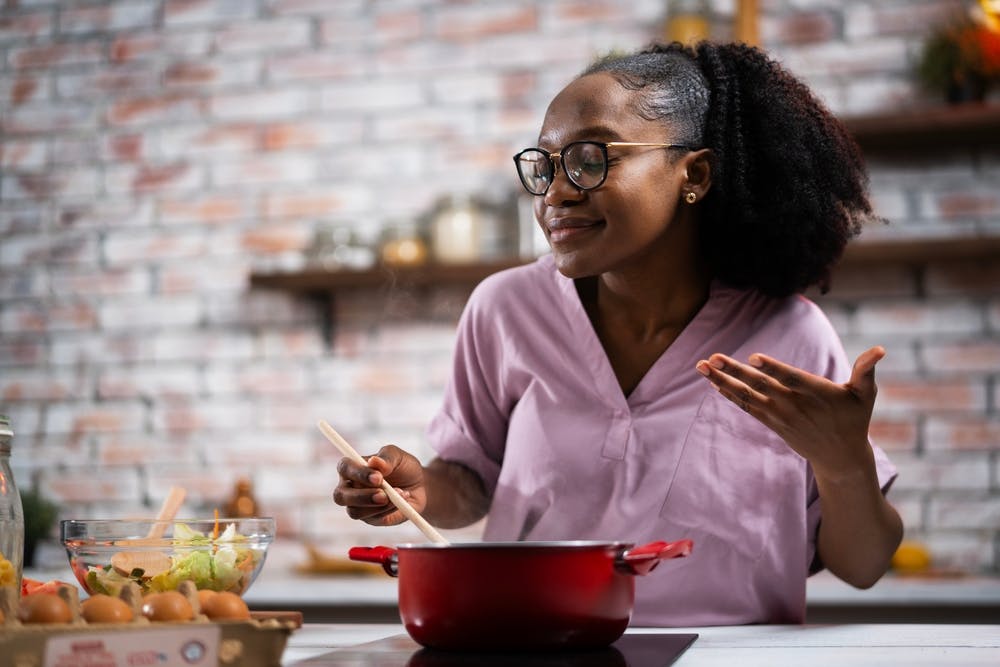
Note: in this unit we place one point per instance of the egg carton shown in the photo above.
(201, 642)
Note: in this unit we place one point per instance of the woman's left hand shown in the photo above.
(825, 422)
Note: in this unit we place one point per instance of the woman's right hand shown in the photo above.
(360, 490)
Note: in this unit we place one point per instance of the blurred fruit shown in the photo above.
(910, 558)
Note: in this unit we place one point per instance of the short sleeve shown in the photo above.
(471, 426)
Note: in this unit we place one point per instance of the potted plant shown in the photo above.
(960, 60)
(40, 516)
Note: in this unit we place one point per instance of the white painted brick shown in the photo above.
(901, 355)
(262, 105)
(967, 434)
(176, 277)
(93, 487)
(26, 26)
(263, 36)
(317, 7)
(183, 13)
(204, 74)
(19, 251)
(217, 344)
(105, 213)
(257, 308)
(191, 140)
(973, 513)
(133, 248)
(26, 420)
(157, 45)
(261, 450)
(408, 410)
(872, 94)
(257, 170)
(257, 379)
(117, 16)
(952, 473)
(66, 184)
(293, 343)
(22, 155)
(73, 281)
(915, 319)
(197, 416)
(23, 217)
(157, 382)
(31, 460)
(910, 511)
(145, 450)
(968, 550)
(467, 88)
(169, 178)
(128, 313)
(89, 350)
(82, 418)
(25, 384)
(373, 95)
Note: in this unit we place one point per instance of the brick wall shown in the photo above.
(154, 152)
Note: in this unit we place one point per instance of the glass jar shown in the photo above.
(688, 21)
(11, 515)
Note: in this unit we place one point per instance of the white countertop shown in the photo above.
(280, 585)
(277, 587)
(746, 646)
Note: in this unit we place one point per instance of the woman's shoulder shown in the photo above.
(525, 284)
(793, 328)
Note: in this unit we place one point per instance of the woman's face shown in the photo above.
(625, 219)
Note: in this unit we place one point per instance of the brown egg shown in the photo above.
(44, 608)
(225, 606)
(203, 595)
(105, 609)
(167, 606)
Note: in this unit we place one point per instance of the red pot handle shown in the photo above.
(642, 560)
(384, 556)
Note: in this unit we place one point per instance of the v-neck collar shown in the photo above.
(669, 368)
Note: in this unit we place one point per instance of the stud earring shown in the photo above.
(690, 197)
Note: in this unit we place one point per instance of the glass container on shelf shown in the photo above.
(338, 246)
(11, 515)
(455, 231)
(402, 244)
(687, 21)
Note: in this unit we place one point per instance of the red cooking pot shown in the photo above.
(498, 596)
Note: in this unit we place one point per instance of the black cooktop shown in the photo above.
(645, 650)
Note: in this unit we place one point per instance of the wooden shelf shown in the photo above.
(922, 250)
(916, 130)
(330, 280)
(886, 251)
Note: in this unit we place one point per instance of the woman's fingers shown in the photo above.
(862, 382)
(746, 387)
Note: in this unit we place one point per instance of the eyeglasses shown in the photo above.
(584, 162)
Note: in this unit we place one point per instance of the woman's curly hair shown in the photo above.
(789, 184)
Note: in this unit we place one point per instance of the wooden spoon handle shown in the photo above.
(406, 508)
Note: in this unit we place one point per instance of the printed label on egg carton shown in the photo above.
(25, 641)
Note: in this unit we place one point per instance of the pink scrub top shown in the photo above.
(534, 407)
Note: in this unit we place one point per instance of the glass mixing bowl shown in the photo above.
(218, 554)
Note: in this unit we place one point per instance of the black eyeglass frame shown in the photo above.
(602, 145)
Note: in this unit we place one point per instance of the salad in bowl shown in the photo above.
(216, 554)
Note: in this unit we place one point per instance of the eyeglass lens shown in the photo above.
(585, 164)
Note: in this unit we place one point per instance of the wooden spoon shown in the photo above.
(151, 563)
(406, 508)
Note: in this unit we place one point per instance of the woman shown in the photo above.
(659, 374)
